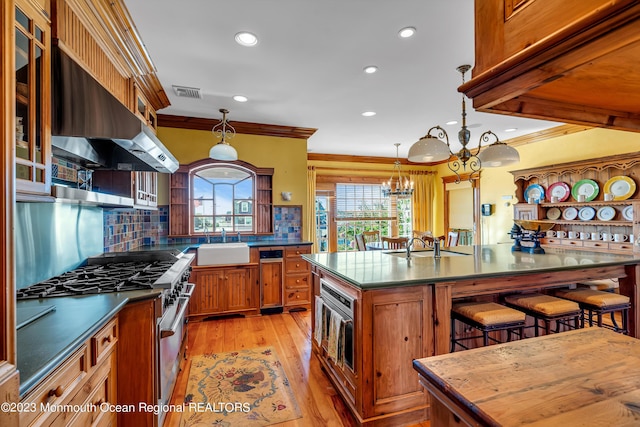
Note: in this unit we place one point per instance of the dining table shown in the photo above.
(584, 377)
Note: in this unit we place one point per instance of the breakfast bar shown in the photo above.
(401, 309)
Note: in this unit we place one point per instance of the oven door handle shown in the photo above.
(176, 321)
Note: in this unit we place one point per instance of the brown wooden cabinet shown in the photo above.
(32, 116)
(599, 170)
(382, 388)
(85, 379)
(297, 290)
(574, 62)
(224, 290)
(271, 284)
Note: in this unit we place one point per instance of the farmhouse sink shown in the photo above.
(223, 253)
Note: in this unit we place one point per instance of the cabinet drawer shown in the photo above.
(296, 265)
(61, 385)
(297, 281)
(576, 243)
(296, 251)
(296, 296)
(96, 391)
(103, 341)
(620, 246)
(595, 244)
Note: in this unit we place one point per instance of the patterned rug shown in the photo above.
(240, 388)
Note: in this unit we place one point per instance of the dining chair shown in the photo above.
(360, 242)
(452, 238)
(371, 236)
(394, 242)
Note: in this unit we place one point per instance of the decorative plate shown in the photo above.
(588, 187)
(606, 213)
(622, 187)
(570, 213)
(535, 191)
(554, 213)
(560, 190)
(627, 213)
(587, 213)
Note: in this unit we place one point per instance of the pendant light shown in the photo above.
(434, 147)
(223, 130)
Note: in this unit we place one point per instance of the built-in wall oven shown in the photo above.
(336, 300)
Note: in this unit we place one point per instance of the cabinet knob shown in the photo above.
(106, 339)
(57, 392)
(298, 265)
(297, 280)
(297, 252)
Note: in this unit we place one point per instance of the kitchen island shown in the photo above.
(401, 311)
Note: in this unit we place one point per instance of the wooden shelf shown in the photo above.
(575, 222)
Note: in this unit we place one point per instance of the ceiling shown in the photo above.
(307, 68)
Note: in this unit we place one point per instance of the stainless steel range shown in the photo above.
(129, 271)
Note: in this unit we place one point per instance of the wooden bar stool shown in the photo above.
(599, 302)
(546, 308)
(486, 317)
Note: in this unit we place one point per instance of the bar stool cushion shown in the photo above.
(488, 313)
(544, 304)
(600, 284)
(598, 299)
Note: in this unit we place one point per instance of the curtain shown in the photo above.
(422, 201)
(310, 215)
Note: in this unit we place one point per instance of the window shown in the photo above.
(322, 222)
(222, 197)
(362, 207)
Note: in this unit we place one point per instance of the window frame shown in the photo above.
(193, 173)
(180, 198)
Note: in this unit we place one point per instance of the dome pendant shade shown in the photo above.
(223, 151)
(428, 149)
(498, 154)
(223, 130)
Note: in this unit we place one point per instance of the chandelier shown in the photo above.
(397, 186)
(223, 130)
(434, 147)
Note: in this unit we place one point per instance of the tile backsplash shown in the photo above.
(128, 229)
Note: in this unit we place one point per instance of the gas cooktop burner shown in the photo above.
(100, 278)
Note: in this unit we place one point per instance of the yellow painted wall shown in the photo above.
(287, 156)
(498, 182)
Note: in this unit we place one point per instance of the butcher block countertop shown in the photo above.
(583, 377)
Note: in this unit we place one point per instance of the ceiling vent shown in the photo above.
(187, 92)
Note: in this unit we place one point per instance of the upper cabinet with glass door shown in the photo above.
(32, 108)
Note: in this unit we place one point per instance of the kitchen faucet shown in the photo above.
(239, 239)
(436, 248)
(224, 236)
(207, 235)
(410, 242)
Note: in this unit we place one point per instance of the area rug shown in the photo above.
(240, 388)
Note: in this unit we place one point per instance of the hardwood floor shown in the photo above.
(290, 335)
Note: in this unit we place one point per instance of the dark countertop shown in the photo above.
(43, 344)
(184, 247)
(383, 269)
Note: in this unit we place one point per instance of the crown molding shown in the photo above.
(248, 128)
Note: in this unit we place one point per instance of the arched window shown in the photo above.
(236, 196)
(222, 197)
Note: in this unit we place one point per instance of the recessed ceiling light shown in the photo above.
(370, 69)
(451, 122)
(511, 130)
(369, 113)
(246, 39)
(240, 98)
(406, 32)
